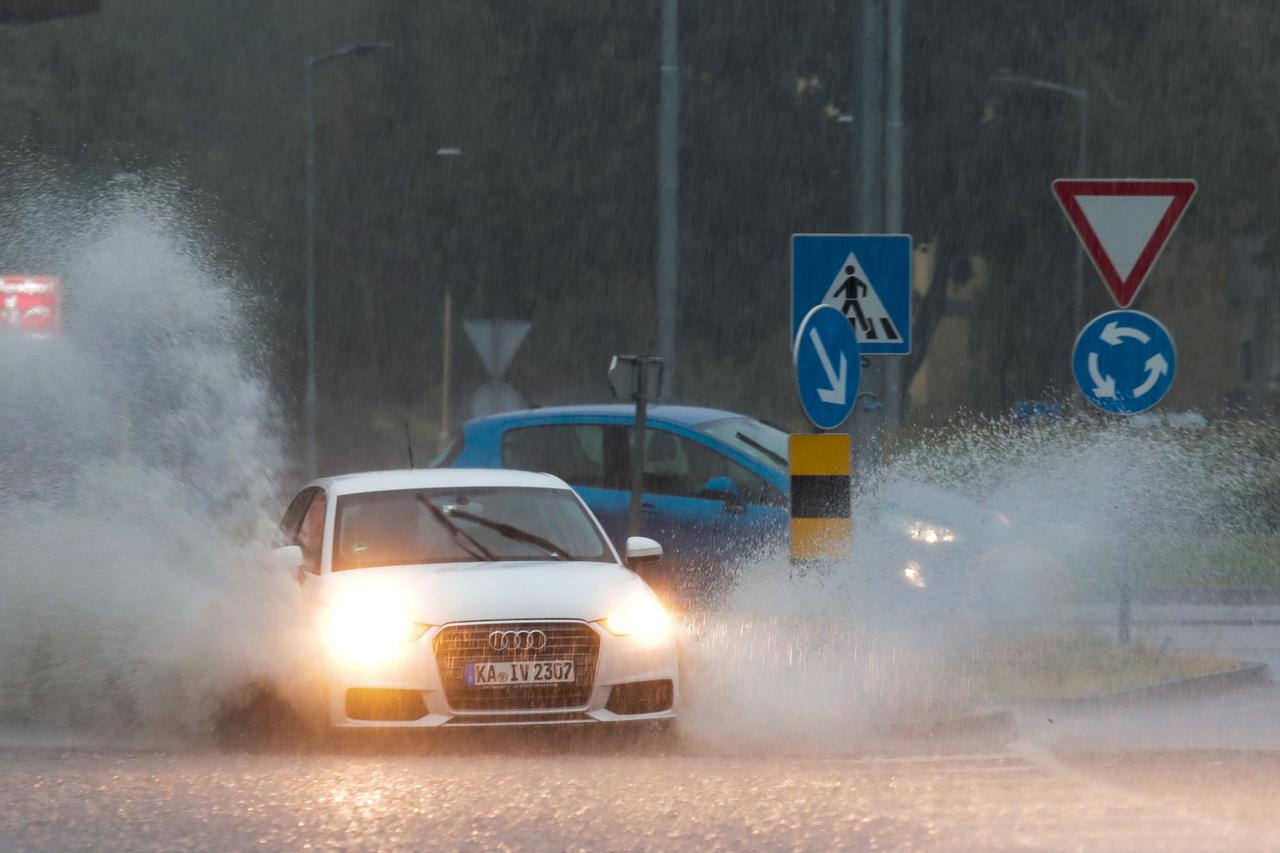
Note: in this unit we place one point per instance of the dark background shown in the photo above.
(550, 214)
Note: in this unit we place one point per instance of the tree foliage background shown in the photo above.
(549, 214)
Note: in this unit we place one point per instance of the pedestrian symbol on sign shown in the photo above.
(855, 296)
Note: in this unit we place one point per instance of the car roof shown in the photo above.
(684, 415)
(436, 478)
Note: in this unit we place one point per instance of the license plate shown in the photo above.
(499, 674)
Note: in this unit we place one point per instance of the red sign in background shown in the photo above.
(30, 304)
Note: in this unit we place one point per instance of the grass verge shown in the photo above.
(1070, 667)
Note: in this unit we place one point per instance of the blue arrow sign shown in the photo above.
(867, 277)
(828, 367)
(1124, 362)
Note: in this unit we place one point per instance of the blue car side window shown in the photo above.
(679, 466)
(585, 455)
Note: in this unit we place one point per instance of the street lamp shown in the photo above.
(309, 392)
(1082, 154)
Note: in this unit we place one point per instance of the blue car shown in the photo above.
(715, 484)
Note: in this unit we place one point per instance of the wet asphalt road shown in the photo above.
(1192, 774)
(553, 794)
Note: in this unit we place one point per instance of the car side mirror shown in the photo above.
(642, 550)
(723, 489)
(720, 488)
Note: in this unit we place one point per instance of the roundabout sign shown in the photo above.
(1124, 362)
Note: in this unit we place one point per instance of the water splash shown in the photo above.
(138, 461)
(1041, 517)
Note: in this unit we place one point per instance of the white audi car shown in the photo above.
(476, 598)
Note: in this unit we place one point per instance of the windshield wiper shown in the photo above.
(512, 532)
(751, 442)
(463, 538)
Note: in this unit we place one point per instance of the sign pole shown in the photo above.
(637, 454)
(638, 377)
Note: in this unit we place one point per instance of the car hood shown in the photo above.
(465, 592)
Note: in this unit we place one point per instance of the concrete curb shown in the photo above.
(1244, 675)
(986, 723)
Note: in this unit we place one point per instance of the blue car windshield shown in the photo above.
(761, 442)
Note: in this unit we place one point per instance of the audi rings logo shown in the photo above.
(517, 641)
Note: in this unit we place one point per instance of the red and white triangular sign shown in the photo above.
(1124, 225)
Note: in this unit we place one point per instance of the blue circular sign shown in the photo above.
(1124, 362)
(828, 366)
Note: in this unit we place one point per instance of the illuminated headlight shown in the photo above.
(912, 575)
(644, 620)
(921, 532)
(368, 631)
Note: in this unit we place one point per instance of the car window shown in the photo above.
(311, 532)
(293, 515)
(675, 465)
(464, 525)
(592, 455)
(760, 441)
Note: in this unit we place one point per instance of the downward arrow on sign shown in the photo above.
(836, 393)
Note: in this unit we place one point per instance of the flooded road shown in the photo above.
(1020, 798)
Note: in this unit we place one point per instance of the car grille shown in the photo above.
(457, 645)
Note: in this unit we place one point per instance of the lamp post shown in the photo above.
(1082, 156)
(450, 153)
(309, 400)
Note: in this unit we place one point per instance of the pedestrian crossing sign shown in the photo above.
(867, 277)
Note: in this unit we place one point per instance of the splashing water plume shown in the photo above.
(1042, 517)
(138, 461)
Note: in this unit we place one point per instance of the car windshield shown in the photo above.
(413, 526)
(763, 443)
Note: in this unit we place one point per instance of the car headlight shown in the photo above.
(645, 620)
(369, 631)
(913, 575)
(919, 531)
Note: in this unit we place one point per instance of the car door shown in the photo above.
(707, 509)
(588, 455)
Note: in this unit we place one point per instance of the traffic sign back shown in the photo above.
(1124, 225)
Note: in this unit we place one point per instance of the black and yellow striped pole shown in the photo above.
(821, 504)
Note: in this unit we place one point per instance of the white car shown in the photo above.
(476, 598)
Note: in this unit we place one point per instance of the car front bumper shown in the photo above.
(630, 680)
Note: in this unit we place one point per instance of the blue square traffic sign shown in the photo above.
(867, 277)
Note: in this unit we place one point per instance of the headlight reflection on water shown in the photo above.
(928, 533)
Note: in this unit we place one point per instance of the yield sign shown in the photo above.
(1124, 225)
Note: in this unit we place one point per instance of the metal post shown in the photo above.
(1082, 166)
(310, 402)
(870, 136)
(309, 413)
(641, 369)
(450, 153)
(446, 365)
(870, 210)
(893, 212)
(668, 186)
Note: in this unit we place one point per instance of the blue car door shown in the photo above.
(708, 510)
